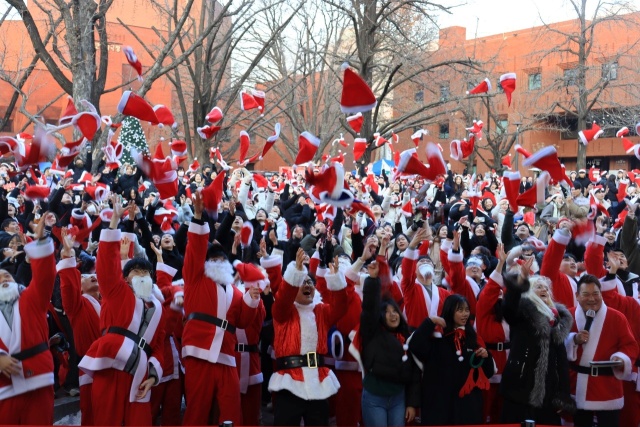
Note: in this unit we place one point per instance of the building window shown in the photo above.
(444, 92)
(443, 132)
(419, 96)
(501, 126)
(535, 81)
(610, 71)
(570, 76)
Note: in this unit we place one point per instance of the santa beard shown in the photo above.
(142, 287)
(10, 293)
(220, 272)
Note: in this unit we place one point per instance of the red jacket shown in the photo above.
(562, 286)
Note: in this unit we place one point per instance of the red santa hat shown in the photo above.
(85, 178)
(164, 116)
(416, 137)
(330, 186)
(208, 132)
(536, 194)
(248, 102)
(508, 83)
(194, 166)
(307, 147)
(356, 122)
(97, 192)
(370, 180)
(212, 194)
(245, 142)
(37, 192)
(592, 173)
(588, 135)
(395, 138)
(409, 163)
(133, 60)
(379, 140)
(357, 96)
(215, 115)
(251, 275)
(338, 159)
(8, 145)
(476, 128)
(622, 132)
(340, 141)
(483, 87)
(132, 104)
(520, 149)
(359, 148)
(261, 182)
(69, 112)
(546, 159)
(506, 161)
(359, 206)
(113, 153)
(270, 141)
(407, 209)
(583, 231)
(620, 220)
(259, 96)
(178, 148)
(80, 219)
(246, 234)
(461, 150)
(511, 182)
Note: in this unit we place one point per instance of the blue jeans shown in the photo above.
(380, 411)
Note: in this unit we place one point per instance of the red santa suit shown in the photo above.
(629, 307)
(301, 330)
(27, 397)
(609, 336)
(108, 359)
(563, 287)
(166, 397)
(83, 312)
(459, 281)
(496, 336)
(418, 304)
(208, 350)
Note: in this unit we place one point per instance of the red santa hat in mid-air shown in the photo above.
(359, 148)
(416, 137)
(245, 142)
(194, 166)
(178, 149)
(546, 159)
(407, 209)
(588, 135)
(113, 153)
(37, 192)
(164, 116)
(356, 122)
(461, 150)
(246, 234)
(69, 112)
(409, 163)
(251, 275)
(249, 102)
(307, 147)
(132, 104)
(215, 115)
(506, 161)
(536, 194)
(511, 182)
(624, 131)
(212, 194)
(476, 128)
(508, 84)
(357, 96)
(483, 87)
(208, 132)
(329, 185)
(340, 141)
(133, 60)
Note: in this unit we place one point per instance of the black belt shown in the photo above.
(247, 348)
(220, 323)
(31, 351)
(594, 371)
(140, 341)
(310, 360)
(499, 346)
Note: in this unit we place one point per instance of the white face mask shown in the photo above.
(142, 287)
(28, 174)
(10, 293)
(181, 174)
(426, 270)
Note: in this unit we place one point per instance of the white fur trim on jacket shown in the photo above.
(271, 261)
(166, 269)
(562, 237)
(335, 282)
(293, 276)
(109, 235)
(455, 256)
(66, 263)
(609, 285)
(39, 249)
(198, 229)
(411, 254)
(497, 277)
(322, 272)
(598, 240)
(625, 372)
(353, 272)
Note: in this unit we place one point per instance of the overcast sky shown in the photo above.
(487, 17)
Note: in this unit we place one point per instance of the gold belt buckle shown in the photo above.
(312, 355)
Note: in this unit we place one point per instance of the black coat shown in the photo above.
(443, 376)
(537, 371)
(381, 351)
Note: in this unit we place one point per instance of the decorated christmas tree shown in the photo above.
(131, 136)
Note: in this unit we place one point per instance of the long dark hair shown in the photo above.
(403, 327)
(451, 305)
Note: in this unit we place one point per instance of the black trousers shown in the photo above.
(584, 418)
(289, 409)
(514, 412)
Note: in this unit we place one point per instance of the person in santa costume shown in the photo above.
(302, 383)
(214, 309)
(599, 334)
(26, 364)
(81, 302)
(560, 269)
(126, 361)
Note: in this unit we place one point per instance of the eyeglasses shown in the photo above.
(308, 282)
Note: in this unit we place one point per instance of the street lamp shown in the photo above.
(515, 160)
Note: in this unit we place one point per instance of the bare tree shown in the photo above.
(588, 84)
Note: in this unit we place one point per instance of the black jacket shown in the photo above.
(537, 371)
(381, 351)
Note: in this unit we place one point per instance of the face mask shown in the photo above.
(343, 264)
(273, 215)
(426, 270)
(28, 174)
(142, 287)
(181, 174)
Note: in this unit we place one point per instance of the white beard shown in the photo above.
(343, 265)
(220, 272)
(10, 293)
(142, 287)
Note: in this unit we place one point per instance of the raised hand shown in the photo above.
(39, 231)
(198, 205)
(158, 251)
(67, 244)
(125, 244)
(418, 237)
(300, 259)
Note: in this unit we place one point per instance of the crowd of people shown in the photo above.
(430, 302)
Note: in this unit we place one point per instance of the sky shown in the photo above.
(488, 17)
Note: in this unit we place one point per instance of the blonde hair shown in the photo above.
(541, 306)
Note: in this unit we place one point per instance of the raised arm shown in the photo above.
(43, 265)
(108, 265)
(70, 287)
(293, 278)
(197, 245)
